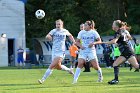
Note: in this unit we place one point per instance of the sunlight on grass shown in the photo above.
(25, 80)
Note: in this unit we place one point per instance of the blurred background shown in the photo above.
(21, 28)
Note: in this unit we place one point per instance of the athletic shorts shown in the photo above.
(88, 55)
(20, 60)
(127, 53)
(58, 54)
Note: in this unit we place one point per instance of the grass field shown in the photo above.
(25, 81)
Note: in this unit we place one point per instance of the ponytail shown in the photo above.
(119, 23)
(91, 24)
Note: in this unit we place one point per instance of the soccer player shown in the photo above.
(127, 30)
(89, 38)
(58, 37)
(121, 37)
(86, 64)
(20, 59)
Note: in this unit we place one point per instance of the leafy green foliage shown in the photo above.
(75, 12)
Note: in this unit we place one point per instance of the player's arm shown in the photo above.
(49, 37)
(72, 39)
(129, 37)
(98, 41)
(78, 43)
(113, 41)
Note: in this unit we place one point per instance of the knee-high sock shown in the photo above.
(116, 72)
(47, 74)
(99, 71)
(77, 73)
(63, 67)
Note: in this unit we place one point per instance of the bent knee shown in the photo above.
(80, 65)
(96, 67)
(136, 66)
(58, 67)
(115, 64)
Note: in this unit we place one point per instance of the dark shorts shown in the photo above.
(20, 60)
(127, 53)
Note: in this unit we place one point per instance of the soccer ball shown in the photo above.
(40, 14)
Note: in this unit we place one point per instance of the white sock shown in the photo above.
(47, 74)
(63, 67)
(77, 74)
(99, 71)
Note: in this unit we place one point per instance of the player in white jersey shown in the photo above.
(58, 36)
(89, 38)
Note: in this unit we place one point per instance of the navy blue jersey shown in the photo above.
(122, 40)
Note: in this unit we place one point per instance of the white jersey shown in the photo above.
(88, 37)
(59, 37)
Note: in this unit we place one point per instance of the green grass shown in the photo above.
(25, 81)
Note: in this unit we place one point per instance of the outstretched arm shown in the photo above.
(98, 41)
(112, 41)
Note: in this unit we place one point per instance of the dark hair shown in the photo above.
(91, 24)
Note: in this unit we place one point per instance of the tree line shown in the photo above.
(75, 12)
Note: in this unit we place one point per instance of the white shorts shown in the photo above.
(58, 54)
(88, 55)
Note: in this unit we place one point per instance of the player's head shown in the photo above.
(125, 26)
(59, 24)
(89, 25)
(82, 26)
(117, 24)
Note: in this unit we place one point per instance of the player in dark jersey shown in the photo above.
(121, 37)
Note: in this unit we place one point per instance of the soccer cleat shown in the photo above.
(74, 82)
(40, 81)
(113, 82)
(137, 70)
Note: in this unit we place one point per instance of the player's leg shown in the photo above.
(59, 66)
(94, 62)
(18, 61)
(133, 61)
(81, 62)
(60, 56)
(71, 62)
(22, 61)
(50, 69)
(96, 66)
(118, 61)
(139, 58)
(56, 64)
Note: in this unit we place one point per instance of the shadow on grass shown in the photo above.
(18, 84)
(30, 86)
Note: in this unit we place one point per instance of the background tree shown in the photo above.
(75, 12)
